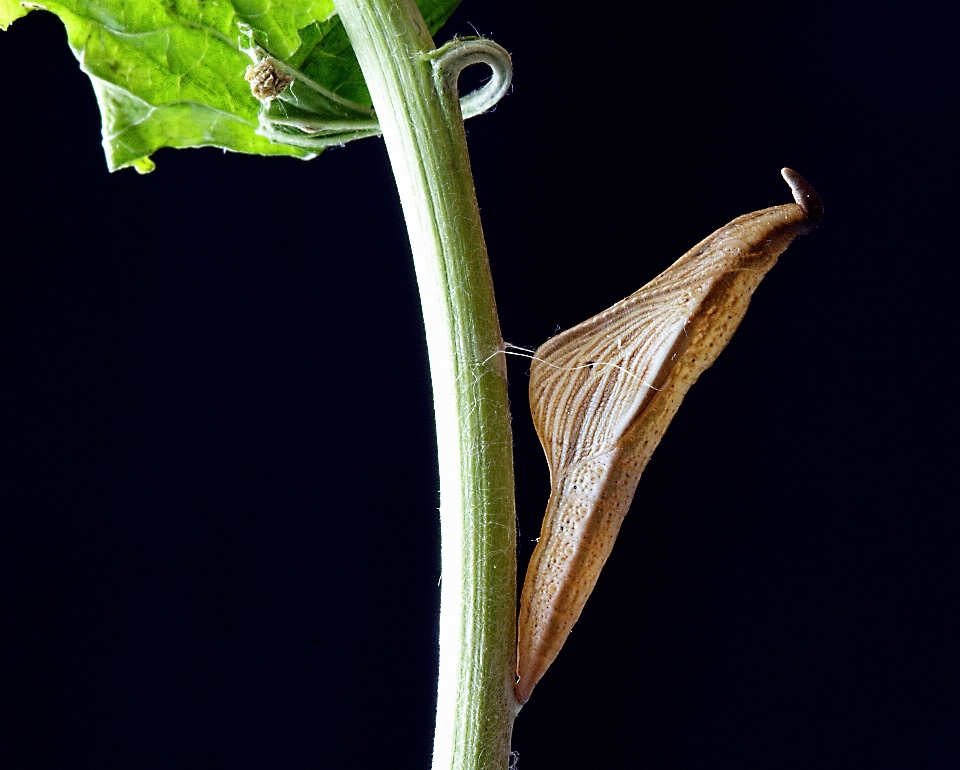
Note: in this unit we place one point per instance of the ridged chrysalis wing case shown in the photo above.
(603, 393)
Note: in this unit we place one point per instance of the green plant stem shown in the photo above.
(419, 114)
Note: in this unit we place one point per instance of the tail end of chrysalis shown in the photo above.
(805, 196)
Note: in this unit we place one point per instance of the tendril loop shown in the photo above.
(451, 59)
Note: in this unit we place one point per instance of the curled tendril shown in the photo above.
(451, 59)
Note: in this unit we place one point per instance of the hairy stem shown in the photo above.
(419, 113)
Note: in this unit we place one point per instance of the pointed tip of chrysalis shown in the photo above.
(804, 195)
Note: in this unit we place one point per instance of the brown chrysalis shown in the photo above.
(603, 393)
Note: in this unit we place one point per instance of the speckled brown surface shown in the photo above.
(603, 393)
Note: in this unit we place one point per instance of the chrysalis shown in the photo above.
(603, 393)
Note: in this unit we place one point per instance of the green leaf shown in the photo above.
(171, 74)
(10, 11)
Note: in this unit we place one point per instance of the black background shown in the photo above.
(219, 528)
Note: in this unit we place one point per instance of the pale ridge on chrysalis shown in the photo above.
(603, 393)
